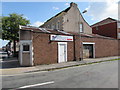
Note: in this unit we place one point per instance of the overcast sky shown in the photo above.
(39, 12)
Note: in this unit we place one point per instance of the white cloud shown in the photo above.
(55, 8)
(67, 4)
(88, 8)
(102, 10)
(37, 23)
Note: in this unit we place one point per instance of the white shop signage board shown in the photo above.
(61, 38)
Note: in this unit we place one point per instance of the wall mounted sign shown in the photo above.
(61, 38)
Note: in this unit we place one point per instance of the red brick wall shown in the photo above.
(46, 52)
(70, 51)
(77, 47)
(109, 30)
(103, 47)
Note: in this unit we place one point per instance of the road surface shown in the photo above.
(101, 75)
(8, 62)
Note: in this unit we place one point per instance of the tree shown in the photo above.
(10, 27)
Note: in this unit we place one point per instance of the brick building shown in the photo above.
(64, 37)
(43, 46)
(108, 27)
(47, 46)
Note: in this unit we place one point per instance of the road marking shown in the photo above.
(40, 84)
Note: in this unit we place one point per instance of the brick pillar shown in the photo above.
(77, 47)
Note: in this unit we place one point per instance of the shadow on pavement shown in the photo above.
(10, 62)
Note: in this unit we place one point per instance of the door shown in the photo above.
(87, 51)
(62, 52)
(26, 53)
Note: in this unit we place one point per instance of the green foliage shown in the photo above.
(10, 26)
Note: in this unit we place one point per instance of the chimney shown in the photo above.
(72, 4)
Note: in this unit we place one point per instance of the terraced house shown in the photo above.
(64, 37)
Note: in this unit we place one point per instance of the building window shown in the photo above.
(26, 47)
(81, 27)
(97, 28)
(53, 27)
(58, 25)
(48, 26)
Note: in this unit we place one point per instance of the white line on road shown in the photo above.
(40, 84)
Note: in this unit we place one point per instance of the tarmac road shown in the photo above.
(7, 62)
(101, 75)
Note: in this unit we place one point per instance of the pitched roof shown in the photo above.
(95, 36)
(67, 9)
(60, 32)
(105, 21)
(44, 30)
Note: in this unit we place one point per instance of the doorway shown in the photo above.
(26, 58)
(88, 50)
(62, 52)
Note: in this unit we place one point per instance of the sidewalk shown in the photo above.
(21, 70)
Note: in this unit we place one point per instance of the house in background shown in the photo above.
(69, 20)
(108, 27)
